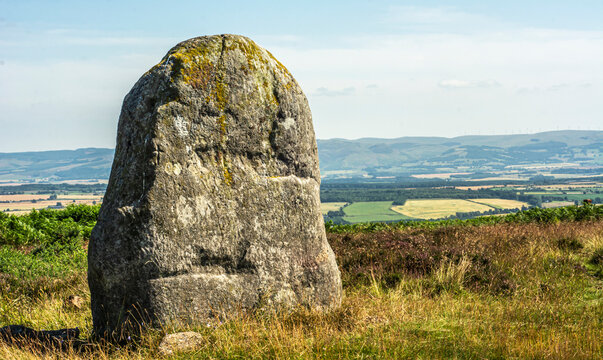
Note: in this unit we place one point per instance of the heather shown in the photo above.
(528, 285)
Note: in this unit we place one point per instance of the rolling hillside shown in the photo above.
(562, 151)
(556, 152)
(89, 163)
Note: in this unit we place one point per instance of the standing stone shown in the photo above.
(213, 202)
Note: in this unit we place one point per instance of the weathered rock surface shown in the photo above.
(179, 342)
(213, 201)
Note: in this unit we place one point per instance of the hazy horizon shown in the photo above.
(334, 138)
(381, 69)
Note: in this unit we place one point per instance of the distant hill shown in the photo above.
(89, 163)
(579, 150)
(575, 152)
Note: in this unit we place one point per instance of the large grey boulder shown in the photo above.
(213, 202)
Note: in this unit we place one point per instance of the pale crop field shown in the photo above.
(24, 206)
(502, 203)
(554, 204)
(23, 197)
(437, 208)
(80, 197)
(19, 206)
(372, 211)
(331, 206)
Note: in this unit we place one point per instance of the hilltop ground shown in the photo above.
(529, 285)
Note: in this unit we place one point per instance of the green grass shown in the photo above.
(371, 211)
(525, 286)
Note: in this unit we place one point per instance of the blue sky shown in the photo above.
(369, 68)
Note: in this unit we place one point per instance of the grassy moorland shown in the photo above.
(527, 285)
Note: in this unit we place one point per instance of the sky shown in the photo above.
(369, 68)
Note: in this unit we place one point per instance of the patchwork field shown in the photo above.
(23, 197)
(572, 186)
(331, 206)
(23, 203)
(554, 204)
(437, 208)
(372, 211)
(553, 193)
(438, 175)
(502, 203)
(479, 187)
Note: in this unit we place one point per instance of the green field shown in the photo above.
(438, 208)
(371, 211)
(331, 206)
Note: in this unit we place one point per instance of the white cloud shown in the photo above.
(411, 69)
(457, 84)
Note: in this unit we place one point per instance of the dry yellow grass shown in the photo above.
(331, 206)
(502, 203)
(553, 312)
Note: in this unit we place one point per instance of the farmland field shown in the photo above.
(331, 206)
(502, 203)
(553, 192)
(372, 211)
(23, 197)
(438, 175)
(573, 185)
(437, 208)
(23, 203)
(479, 187)
(554, 204)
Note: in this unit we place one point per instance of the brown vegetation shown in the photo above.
(491, 291)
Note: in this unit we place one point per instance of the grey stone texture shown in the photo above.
(213, 202)
(180, 342)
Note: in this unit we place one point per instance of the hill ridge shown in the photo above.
(581, 150)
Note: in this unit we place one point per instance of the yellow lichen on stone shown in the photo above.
(227, 176)
(220, 94)
(222, 124)
(193, 67)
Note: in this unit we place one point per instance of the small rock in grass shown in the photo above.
(180, 342)
(74, 301)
